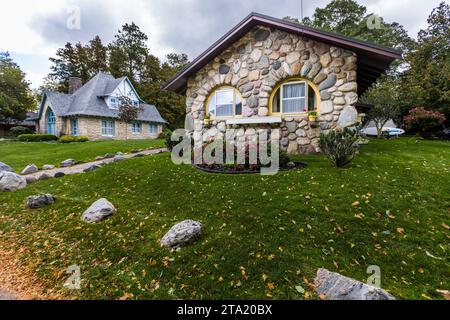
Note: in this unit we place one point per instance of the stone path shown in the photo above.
(81, 167)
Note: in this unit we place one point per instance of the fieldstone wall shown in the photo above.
(255, 65)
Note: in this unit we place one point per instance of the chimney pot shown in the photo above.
(75, 83)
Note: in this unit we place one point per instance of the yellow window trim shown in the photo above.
(213, 93)
(294, 79)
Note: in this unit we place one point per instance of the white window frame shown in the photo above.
(106, 130)
(136, 125)
(235, 96)
(305, 97)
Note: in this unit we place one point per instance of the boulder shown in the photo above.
(5, 167)
(92, 168)
(45, 176)
(31, 179)
(328, 83)
(59, 174)
(48, 167)
(326, 107)
(67, 163)
(37, 202)
(337, 287)
(109, 156)
(29, 169)
(119, 158)
(10, 181)
(182, 234)
(99, 158)
(98, 211)
(348, 117)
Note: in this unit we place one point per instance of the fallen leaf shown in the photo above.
(446, 226)
(355, 204)
(421, 270)
(401, 231)
(126, 296)
(271, 286)
(444, 293)
(300, 289)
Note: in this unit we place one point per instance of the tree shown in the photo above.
(128, 112)
(97, 56)
(15, 94)
(386, 104)
(130, 45)
(428, 78)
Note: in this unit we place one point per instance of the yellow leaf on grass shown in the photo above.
(400, 231)
(264, 277)
(421, 270)
(355, 204)
(271, 286)
(446, 226)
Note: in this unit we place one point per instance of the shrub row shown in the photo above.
(37, 137)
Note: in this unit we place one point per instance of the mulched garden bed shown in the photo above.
(220, 169)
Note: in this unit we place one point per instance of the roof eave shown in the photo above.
(383, 55)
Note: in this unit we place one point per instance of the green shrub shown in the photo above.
(339, 146)
(81, 139)
(71, 139)
(37, 137)
(19, 130)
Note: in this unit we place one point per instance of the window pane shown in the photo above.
(238, 105)
(295, 90)
(294, 105)
(276, 103)
(312, 102)
(225, 110)
(212, 106)
(225, 97)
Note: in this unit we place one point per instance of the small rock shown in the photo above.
(182, 234)
(48, 167)
(99, 158)
(92, 168)
(31, 179)
(10, 181)
(262, 35)
(5, 167)
(45, 176)
(32, 168)
(291, 165)
(59, 174)
(337, 287)
(109, 156)
(132, 151)
(224, 69)
(139, 155)
(119, 158)
(67, 163)
(98, 211)
(37, 202)
(119, 153)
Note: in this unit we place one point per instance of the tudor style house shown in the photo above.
(270, 73)
(92, 110)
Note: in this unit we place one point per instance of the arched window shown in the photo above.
(51, 122)
(294, 96)
(224, 102)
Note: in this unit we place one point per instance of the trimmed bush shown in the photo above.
(71, 139)
(81, 139)
(19, 130)
(339, 146)
(37, 137)
(67, 139)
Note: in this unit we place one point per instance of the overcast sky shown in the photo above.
(32, 30)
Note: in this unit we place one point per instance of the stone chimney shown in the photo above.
(75, 83)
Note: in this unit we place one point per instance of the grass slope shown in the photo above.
(263, 235)
(20, 154)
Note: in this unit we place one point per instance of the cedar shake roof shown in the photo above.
(373, 59)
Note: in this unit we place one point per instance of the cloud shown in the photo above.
(34, 30)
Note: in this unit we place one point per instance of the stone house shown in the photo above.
(270, 73)
(92, 110)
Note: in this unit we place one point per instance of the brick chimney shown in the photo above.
(75, 83)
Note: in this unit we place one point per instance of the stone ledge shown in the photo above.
(259, 120)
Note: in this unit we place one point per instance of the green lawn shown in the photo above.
(20, 154)
(263, 235)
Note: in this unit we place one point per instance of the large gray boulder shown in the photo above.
(182, 234)
(5, 167)
(67, 163)
(48, 167)
(29, 169)
(337, 287)
(92, 168)
(10, 181)
(37, 202)
(98, 211)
